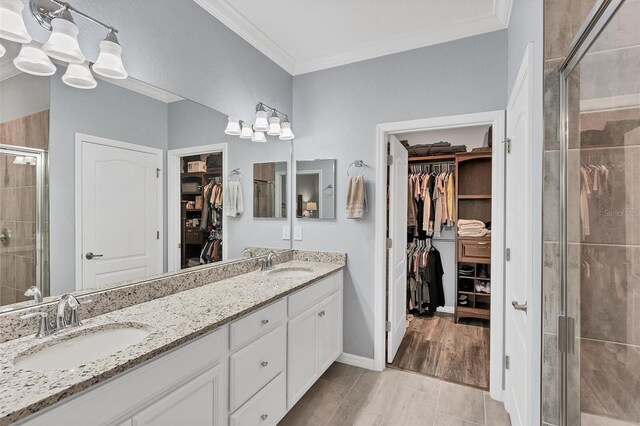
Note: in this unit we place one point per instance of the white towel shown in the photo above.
(466, 223)
(356, 197)
(232, 199)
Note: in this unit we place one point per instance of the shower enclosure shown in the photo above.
(597, 333)
(22, 222)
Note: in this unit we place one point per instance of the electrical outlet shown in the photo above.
(286, 232)
(297, 233)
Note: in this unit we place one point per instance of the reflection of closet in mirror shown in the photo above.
(201, 180)
(270, 190)
(315, 189)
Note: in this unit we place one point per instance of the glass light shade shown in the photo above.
(233, 127)
(109, 63)
(11, 23)
(261, 124)
(274, 126)
(33, 60)
(3, 50)
(63, 42)
(79, 76)
(247, 131)
(259, 137)
(286, 134)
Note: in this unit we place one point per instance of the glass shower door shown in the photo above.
(21, 222)
(599, 325)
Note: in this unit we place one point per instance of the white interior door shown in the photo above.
(519, 324)
(397, 256)
(120, 211)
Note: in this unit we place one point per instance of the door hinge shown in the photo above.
(157, 173)
(157, 235)
(507, 143)
(389, 243)
(507, 362)
(387, 325)
(507, 254)
(566, 334)
(389, 160)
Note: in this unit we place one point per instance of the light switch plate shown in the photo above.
(297, 233)
(286, 232)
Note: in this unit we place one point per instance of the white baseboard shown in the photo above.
(447, 309)
(357, 361)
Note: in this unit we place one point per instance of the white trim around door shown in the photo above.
(173, 199)
(497, 120)
(80, 139)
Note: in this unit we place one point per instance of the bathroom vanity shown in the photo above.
(240, 351)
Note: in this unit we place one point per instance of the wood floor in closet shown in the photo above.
(441, 348)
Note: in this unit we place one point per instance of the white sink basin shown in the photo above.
(291, 272)
(81, 349)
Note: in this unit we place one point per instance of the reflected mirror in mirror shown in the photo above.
(270, 190)
(117, 184)
(315, 189)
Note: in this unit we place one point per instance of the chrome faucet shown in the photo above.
(270, 257)
(46, 328)
(246, 252)
(35, 293)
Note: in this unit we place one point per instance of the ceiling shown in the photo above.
(309, 35)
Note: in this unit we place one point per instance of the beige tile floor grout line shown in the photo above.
(343, 400)
(435, 415)
(393, 394)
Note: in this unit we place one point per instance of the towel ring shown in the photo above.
(357, 163)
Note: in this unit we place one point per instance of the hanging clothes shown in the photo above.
(425, 290)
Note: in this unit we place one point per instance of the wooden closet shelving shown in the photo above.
(473, 189)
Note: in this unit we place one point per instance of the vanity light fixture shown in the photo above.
(34, 61)
(3, 50)
(13, 28)
(247, 131)
(286, 134)
(63, 43)
(79, 76)
(274, 125)
(261, 124)
(109, 63)
(258, 137)
(233, 127)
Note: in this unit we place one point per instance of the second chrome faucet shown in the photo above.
(63, 319)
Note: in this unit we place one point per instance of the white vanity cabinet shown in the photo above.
(249, 372)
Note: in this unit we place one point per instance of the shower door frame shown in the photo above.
(41, 156)
(596, 22)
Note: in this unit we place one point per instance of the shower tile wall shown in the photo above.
(18, 208)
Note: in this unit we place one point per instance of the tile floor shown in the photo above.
(347, 395)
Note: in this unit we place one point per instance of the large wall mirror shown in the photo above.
(315, 189)
(119, 183)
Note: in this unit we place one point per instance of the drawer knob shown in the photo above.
(264, 417)
(265, 321)
(264, 363)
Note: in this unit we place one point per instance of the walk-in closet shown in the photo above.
(448, 254)
(201, 188)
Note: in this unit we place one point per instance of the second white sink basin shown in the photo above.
(291, 272)
(81, 349)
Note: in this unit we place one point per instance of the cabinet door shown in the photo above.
(197, 402)
(301, 360)
(329, 331)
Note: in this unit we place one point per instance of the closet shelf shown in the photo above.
(432, 158)
(474, 197)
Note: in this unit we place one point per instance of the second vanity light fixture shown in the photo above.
(265, 123)
(62, 45)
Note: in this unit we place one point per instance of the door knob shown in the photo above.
(519, 307)
(90, 255)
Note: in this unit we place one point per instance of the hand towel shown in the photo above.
(466, 223)
(233, 204)
(356, 197)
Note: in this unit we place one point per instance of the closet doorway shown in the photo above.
(196, 224)
(442, 276)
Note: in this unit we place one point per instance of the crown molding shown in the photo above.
(240, 25)
(143, 88)
(8, 70)
(224, 11)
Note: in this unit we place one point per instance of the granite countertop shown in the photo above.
(172, 320)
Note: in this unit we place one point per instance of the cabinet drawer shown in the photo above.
(251, 327)
(255, 365)
(305, 298)
(193, 236)
(474, 250)
(266, 408)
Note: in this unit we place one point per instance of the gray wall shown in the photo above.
(107, 111)
(191, 124)
(23, 95)
(458, 77)
(179, 47)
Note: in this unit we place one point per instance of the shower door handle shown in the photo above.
(519, 307)
(90, 255)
